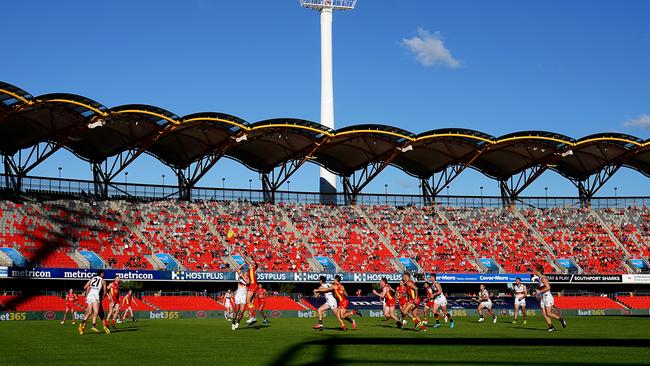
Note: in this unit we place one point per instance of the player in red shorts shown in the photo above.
(70, 305)
(414, 302)
(127, 302)
(342, 312)
(113, 303)
(388, 295)
(251, 289)
(402, 299)
(260, 301)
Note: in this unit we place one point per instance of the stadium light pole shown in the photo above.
(126, 182)
(250, 189)
(60, 178)
(386, 192)
(546, 195)
(326, 8)
(481, 187)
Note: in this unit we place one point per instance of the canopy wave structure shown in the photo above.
(32, 128)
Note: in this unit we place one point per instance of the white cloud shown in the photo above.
(429, 49)
(642, 122)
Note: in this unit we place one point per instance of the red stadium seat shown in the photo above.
(183, 303)
(635, 302)
(586, 302)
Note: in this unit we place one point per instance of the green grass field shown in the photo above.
(586, 341)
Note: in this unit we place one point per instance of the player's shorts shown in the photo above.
(252, 287)
(240, 296)
(332, 303)
(343, 304)
(441, 300)
(390, 303)
(70, 305)
(260, 304)
(487, 304)
(403, 301)
(227, 304)
(429, 303)
(520, 301)
(415, 302)
(92, 298)
(547, 300)
(115, 300)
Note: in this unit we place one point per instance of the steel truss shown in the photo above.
(106, 171)
(432, 187)
(353, 184)
(273, 180)
(588, 187)
(17, 166)
(512, 187)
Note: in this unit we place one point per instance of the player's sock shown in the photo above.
(349, 320)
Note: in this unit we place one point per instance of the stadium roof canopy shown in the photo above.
(96, 133)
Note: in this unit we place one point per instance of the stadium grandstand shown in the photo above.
(106, 224)
(103, 223)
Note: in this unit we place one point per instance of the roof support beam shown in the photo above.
(18, 165)
(444, 178)
(588, 187)
(439, 181)
(512, 187)
(188, 177)
(355, 183)
(106, 171)
(273, 180)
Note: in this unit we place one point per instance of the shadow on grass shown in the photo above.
(330, 354)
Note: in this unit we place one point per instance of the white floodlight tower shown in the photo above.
(326, 8)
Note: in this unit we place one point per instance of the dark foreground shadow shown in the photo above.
(331, 356)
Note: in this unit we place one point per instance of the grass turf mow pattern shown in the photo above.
(586, 341)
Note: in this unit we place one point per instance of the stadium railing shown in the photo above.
(122, 190)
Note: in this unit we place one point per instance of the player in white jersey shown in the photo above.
(240, 297)
(485, 303)
(227, 300)
(440, 303)
(520, 292)
(330, 302)
(546, 299)
(94, 290)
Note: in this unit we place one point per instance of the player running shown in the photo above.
(485, 303)
(240, 297)
(546, 301)
(341, 295)
(113, 303)
(402, 299)
(520, 299)
(260, 302)
(387, 295)
(330, 302)
(70, 305)
(229, 303)
(413, 302)
(251, 289)
(440, 303)
(94, 291)
(127, 303)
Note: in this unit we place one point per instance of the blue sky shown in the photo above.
(573, 67)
